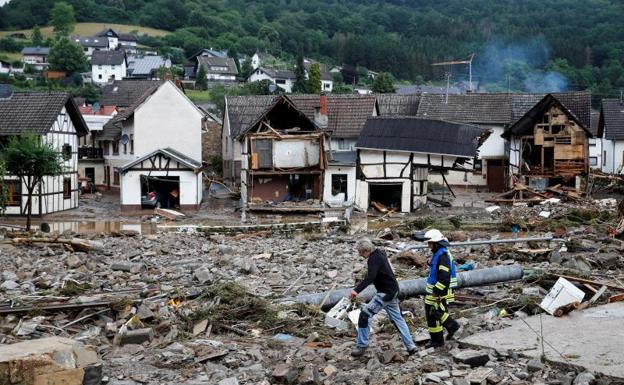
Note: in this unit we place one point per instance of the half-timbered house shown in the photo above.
(395, 156)
(55, 117)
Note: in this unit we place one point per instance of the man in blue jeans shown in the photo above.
(381, 275)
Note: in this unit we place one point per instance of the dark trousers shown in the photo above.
(438, 318)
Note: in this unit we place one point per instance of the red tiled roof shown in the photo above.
(104, 110)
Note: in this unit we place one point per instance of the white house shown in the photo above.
(259, 58)
(327, 80)
(218, 69)
(92, 163)
(91, 44)
(36, 56)
(160, 136)
(284, 79)
(5, 67)
(55, 118)
(396, 154)
(127, 42)
(611, 135)
(111, 35)
(108, 66)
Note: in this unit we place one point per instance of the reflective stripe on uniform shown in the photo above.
(436, 329)
(444, 317)
(440, 285)
(444, 268)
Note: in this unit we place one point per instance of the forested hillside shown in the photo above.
(509, 37)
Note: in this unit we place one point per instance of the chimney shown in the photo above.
(320, 113)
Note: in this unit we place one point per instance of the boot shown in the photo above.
(452, 329)
(358, 351)
(436, 341)
(433, 344)
(412, 351)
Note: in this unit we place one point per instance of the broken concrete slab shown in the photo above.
(595, 349)
(51, 361)
(472, 357)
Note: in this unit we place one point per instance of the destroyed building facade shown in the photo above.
(283, 158)
(548, 145)
(395, 156)
(56, 119)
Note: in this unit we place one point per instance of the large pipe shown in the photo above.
(483, 242)
(413, 287)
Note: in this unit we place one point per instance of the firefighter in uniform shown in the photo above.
(440, 284)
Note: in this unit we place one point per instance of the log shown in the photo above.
(75, 243)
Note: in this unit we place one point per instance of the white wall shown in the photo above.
(348, 143)
(260, 75)
(168, 119)
(334, 200)
(595, 151)
(327, 85)
(614, 151)
(101, 73)
(190, 186)
(494, 146)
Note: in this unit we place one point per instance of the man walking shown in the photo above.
(381, 275)
(440, 284)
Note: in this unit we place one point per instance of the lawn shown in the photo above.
(90, 29)
(198, 96)
(11, 56)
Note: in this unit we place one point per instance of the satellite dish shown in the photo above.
(125, 139)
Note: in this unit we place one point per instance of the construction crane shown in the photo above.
(457, 62)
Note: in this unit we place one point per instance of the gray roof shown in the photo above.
(277, 74)
(168, 153)
(127, 37)
(398, 105)
(146, 65)
(123, 93)
(499, 109)
(36, 51)
(611, 124)
(346, 115)
(36, 112)
(347, 158)
(112, 128)
(428, 136)
(228, 64)
(108, 57)
(95, 42)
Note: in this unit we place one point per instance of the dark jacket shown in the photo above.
(381, 275)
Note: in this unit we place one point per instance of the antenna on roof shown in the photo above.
(456, 62)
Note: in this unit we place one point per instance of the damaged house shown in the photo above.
(548, 145)
(396, 154)
(282, 160)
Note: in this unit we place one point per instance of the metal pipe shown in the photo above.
(414, 287)
(484, 242)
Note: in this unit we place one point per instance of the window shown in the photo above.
(592, 142)
(105, 147)
(125, 148)
(14, 192)
(66, 188)
(115, 178)
(113, 66)
(264, 150)
(326, 85)
(67, 152)
(339, 184)
(343, 144)
(100, 67)
(115, 147)
(593, 161)
(132, 143)
(604, 157)
(478, 166)
(100, 76)
(280, 81)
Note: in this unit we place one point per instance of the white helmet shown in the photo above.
(434, 235)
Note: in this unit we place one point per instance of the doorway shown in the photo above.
(496, 175)
(160, 191)
(386, 194)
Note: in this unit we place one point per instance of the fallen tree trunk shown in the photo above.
(414, 287)
(76, 243)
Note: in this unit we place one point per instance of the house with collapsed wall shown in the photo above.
(283, 158)
(548, 145)
(396, 154)
(157, 141)
(55, 118)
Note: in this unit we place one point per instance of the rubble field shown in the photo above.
(199, 308)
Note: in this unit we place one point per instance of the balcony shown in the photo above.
(90, 153)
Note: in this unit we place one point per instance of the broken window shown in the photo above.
(339, 184)
(13, 192)
(67, 152)
(66, 188)
(264, 152)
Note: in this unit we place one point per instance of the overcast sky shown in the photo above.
(2, 2)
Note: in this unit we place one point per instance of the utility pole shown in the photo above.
(457, 62)
(448, 84)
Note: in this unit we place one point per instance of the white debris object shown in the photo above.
(544, 214)
(550, 201)
(562, 293)
(336, 315)
(491, 209)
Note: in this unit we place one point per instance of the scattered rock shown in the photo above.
(472, 357)
(535, 365)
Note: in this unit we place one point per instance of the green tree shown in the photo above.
(301, 83)
(201, 81)
(314, 79)
(66, 55)
(36, 38)
(63, 18)
(233, 53)
(3, 190)
(30, 159)
(383, 84)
